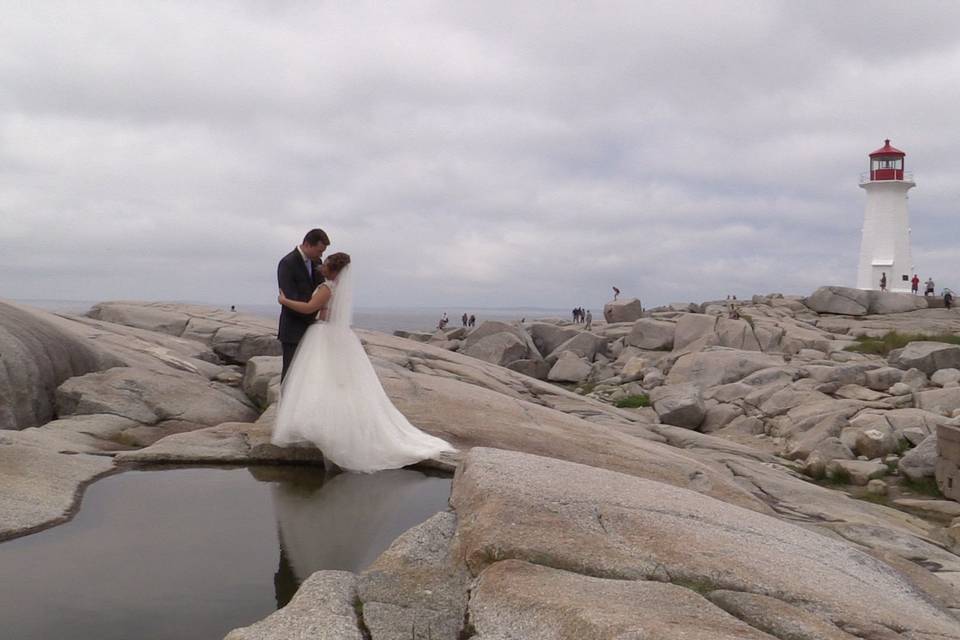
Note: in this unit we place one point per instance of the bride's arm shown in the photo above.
(320, 297)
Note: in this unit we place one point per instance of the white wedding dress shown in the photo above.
(331, 397)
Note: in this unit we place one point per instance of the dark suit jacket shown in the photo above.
(295, 282)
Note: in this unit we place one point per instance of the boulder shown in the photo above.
(626, 310)
(322, 609)
(693, 330)
(736, 334)
(584, 344)
(258, 375)
(883, 378)
(149, 398)
(569, 367)
(607, 525)
(942, 401)
(860, 472)
(915, 379)
(497, 348)
(516, 599)
(945, 377)
(884, 302)
(873, 443)
(718, 366)
(538, 369)
(839, 300)
(35, 358)
(417, 584)
(680, 405)
(648, 333)
(928, 357)
(776, 617)
(547, 337)
(920, 462)
(856, 392)
(634, 369)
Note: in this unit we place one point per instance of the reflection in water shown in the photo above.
(348, 521)
(189, 553)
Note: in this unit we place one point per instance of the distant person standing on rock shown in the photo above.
(929, 287)
(947, 299)
(473, 320)
(589, 317)
(915, 284)
(616, 292)
(883, 281)
(464, 319)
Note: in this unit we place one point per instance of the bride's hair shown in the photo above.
(336, 262)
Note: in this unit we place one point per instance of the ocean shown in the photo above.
(386, 319)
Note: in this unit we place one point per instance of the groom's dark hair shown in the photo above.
(316, 235)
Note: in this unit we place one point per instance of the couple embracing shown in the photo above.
(330, 395)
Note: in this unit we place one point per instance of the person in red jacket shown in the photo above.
(915, 284)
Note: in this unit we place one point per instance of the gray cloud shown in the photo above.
(464, 153)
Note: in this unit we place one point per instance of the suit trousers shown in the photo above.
(289, 349)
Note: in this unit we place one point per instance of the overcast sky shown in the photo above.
(467, 153)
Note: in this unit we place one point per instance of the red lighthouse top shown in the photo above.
(886, 163)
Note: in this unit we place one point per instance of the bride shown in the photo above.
(332, 397)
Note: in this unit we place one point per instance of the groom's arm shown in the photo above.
(287, 284)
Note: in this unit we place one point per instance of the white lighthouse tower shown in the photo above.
(885, 245)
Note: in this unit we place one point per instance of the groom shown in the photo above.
(298, 275)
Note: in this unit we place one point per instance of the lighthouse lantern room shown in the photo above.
(885, 242)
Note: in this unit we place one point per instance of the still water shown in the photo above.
(193, 553)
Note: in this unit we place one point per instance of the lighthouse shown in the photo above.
(885, 244)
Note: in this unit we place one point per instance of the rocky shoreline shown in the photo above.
(728, 508)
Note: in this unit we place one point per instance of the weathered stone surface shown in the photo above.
(937, 508)
(584, 344)
(634, 369)
(417, 584)
(322, 609)
(258, 375)
(695, 330)
(778, 618)
(538, 369)
(679, 404)
(230, 442)
(648, 333)
(942, 401)
(36, 356)
(498, 348)
(626, 310)
(233, 336)
(926, 356)
(945, 377)
(719, 366)
(515, 599)
(586, 520)
(149, 397)
(736, 334)
(873, 443)
(884, 302)
(883, 378)
(569, 368)
(547, 337)
(839, 300)
(920, 462)
(860, 472)
(41, 486)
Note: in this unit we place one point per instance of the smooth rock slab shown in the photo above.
(38, 487)
(518, 600)
(626, 310)
(322, 609)
(596, 522)
(921, 461)
(151, 397)
(719, 366)
(777, 617)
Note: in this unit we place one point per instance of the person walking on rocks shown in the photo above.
(464, 319)
(298, 276)
(473, 321)
(928, 287)
(948, 299)
(883, 281)
(915, 284)
(589, 318)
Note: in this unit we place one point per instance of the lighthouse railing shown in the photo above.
(865, 177)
